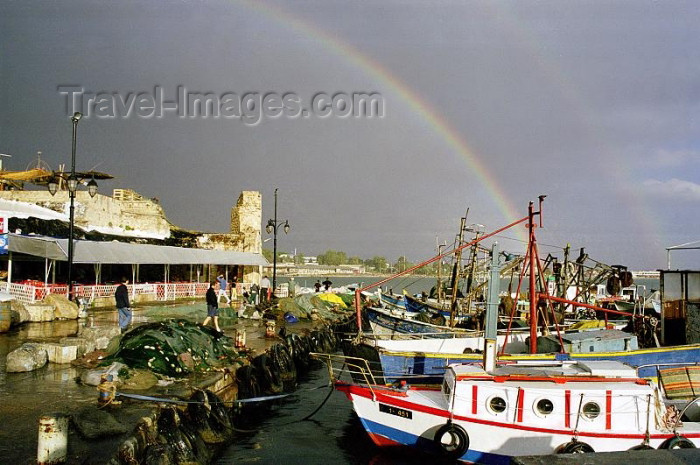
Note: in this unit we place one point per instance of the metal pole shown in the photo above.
(533, 271)
(274, 250)
(71, 220)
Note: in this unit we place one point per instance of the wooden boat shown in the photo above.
(392, 301)
(489, 416)
(393, 323)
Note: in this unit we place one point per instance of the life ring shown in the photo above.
(574, 447)
(452, 440)
(677, 442)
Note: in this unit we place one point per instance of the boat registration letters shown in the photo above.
(399, 412)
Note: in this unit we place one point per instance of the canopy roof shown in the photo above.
(125, 253)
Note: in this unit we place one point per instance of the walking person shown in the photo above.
(223, 284)
(264, 289)
(212, 307)
(254, 289)
(234, 288)
(121, 296)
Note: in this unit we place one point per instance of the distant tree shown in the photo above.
(377, 263)
(267, 253)
(299, 259)
(332, 257)
(402, 264)
(354, 261)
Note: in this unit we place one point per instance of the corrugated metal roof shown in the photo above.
(124, 253)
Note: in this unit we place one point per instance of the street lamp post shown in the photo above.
(271, 228)
(72, 186)
(72, 182)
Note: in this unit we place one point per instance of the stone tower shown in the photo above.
(246, 221)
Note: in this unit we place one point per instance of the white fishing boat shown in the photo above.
(487, 416)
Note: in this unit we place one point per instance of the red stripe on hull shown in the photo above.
(382, 441)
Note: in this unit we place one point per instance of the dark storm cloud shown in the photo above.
(593, 103)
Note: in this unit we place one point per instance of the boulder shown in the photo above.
(19, 313)
(63, 308)
(29, 357)
(84, 345)
(60, 353)
(40, 312)
(99, 335)
(94, 423)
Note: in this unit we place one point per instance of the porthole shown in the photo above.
(497, 404)
(544, 406)
(591, 410)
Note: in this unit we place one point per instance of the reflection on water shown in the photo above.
(332, 435)
(51, 330)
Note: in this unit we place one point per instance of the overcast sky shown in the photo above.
(484, 105)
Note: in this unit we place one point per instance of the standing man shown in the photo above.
(212, 307)
(222, 289)
(264, 289)
(121, 296)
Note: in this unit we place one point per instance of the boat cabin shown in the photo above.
(593, 396)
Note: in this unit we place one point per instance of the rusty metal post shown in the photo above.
(52, 447)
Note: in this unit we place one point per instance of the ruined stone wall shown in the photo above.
(246, 220)
(101, 211)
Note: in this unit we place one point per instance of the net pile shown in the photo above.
(175, 348)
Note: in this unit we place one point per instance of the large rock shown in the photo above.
(60, 352)
(99, 335)
(19, 313)
(84, 346)
(63, 308)
(94, 423)
(27, 358)
(40, 312)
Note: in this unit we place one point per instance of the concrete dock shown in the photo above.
(54, 389)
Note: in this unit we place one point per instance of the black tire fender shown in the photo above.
(574, 447)
(452, 440)
(270, 374)
(219, 412)
(677, 442)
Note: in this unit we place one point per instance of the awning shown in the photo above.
(125, 253)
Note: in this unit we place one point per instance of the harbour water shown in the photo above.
(331, 435)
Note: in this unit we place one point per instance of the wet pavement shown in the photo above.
(24, 397)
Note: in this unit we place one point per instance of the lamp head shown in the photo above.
(92, 187)
(52, 186)
(286, 227)
(72, 184)
(76, 117)
(270, 227)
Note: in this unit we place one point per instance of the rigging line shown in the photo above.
(525, 242)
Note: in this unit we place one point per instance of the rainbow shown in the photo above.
(437, 123)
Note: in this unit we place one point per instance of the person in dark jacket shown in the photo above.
(121, 296)
(212, 307)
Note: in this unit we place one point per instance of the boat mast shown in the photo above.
(458, 269)
(534, 266)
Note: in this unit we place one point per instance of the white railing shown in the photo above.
(33, 292)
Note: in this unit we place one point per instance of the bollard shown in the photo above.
(53, 439)
(270, 328)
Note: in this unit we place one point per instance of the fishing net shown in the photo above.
(175, 348)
